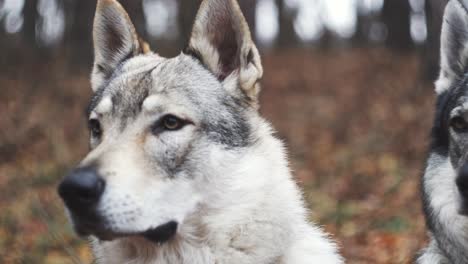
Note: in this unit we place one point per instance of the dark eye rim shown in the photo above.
(177, 123)
(94, 127)
(459, 124)
(162, 125)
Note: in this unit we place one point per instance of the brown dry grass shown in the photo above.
(356, 123)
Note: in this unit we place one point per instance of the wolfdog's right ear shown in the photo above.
(221, 40)
(115, 40)
(454, 45)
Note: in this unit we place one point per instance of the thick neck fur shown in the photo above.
(447, 226)
(253, 213)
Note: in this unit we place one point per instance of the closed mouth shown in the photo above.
(162, 233)
(158, 235)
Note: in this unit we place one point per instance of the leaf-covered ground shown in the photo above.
(356, 123)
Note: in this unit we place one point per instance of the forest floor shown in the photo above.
(356, 123)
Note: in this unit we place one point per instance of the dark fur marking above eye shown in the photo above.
(234, 132)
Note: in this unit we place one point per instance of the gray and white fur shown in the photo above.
(182, 168)
(445, 181)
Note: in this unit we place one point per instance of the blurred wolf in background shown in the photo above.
(182, 168)
(445, 181)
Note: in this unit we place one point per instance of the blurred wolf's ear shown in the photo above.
(221, 40)
(115, 40)
(454, 45)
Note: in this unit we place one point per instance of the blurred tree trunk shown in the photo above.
(78, 38)
(287, 35)
(187, 13)
(134, 9)
(326, 39)
(30, 16)
(362, 24)
(396, 16)
(4, 43)
(79, 19)
(248, 8)
(430, 56)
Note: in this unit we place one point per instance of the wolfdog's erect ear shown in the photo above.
(115, 40)
(221, 41)
(454, 45)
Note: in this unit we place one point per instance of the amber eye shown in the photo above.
(172, 123)
(459, 124)
(95, 128)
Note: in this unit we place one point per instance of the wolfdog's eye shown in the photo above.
(171, 122)
(95, 127)
(459, 124)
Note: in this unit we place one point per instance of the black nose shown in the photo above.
(82, 188)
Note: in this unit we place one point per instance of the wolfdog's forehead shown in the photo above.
(182, 77)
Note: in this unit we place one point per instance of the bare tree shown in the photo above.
(30, 16)
(187, 13)
(78, 35)
(287, 35)
(248, 8)
(431, 54)
(134, 9)
(396, 16)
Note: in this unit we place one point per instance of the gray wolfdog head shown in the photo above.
(161, 128)
(445, 182)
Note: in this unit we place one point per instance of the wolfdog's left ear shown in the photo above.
(454, 45)
(115, 40)
(221, 40)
